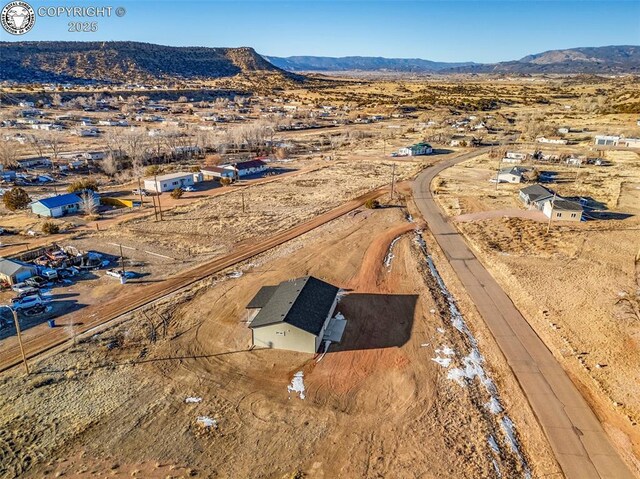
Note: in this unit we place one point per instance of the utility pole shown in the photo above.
(393, 181)
(498, 174)
(242, 195)
(553, 202)
(155, 184)
(140, 191)
(122, 260)
(17, 323)
(155, 211)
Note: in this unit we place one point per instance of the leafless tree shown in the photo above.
(8, 154)
(54, 144)
(37, 144)
(88, 203)
(56, 99)
(136, 148)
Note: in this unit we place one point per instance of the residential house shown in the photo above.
(56, 206)
(510, 156)
(416, 150)
(251, 167)
(559, 209)
(294, 315)
(553, 141)
(13, 272)
(217, 172)
(94, 155)
(35, 162)
(511, 174)
(607, 140)
(534, 195)
(170, 182)
(630, 142)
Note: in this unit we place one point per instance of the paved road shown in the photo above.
(577, 438)
(41, 339)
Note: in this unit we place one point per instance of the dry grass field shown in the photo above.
(572, 282)
(375, 405)
(389, 401)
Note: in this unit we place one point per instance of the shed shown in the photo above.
(292, 315)
(13, 272)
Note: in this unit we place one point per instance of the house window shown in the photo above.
(573, 215)
(280, 333)
(559, 215)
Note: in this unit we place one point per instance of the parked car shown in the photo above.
(36, 281)
(49, 274)
(118, 273)
(139, 192)
(23, 288)
(28, 302)
(188, 188)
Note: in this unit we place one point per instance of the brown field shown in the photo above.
(570, 283)
(375, 404)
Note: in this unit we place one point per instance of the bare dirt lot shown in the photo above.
(572, 284)
(212, 225)
(376, 405)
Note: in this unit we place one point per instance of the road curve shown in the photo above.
(44, 339)
(577, 438)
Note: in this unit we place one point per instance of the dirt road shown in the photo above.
(40, 339)
(577, 438)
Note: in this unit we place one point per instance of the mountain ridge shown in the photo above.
(126, 62)
(606, 59)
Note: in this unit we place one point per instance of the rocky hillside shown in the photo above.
(126, 62)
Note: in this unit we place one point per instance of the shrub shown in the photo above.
(16, 199)
(372, 204)
(225, 181)
(82, 185)
(152, 170)
(177, 193)
(50, 228)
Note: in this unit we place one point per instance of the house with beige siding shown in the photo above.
(294, 315)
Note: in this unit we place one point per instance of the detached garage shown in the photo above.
(13, 272)
(293, 315)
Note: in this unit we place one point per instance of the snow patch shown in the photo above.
(471, 368)
(389, 257)
(493, 444)
(446, 350)
(206, 421)
(297, 385)
(445, 362)
(494, 405)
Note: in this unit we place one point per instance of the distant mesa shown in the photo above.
(593, 60)
(119, 62)
(126, 62)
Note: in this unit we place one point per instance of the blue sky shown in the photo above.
(453, 30)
